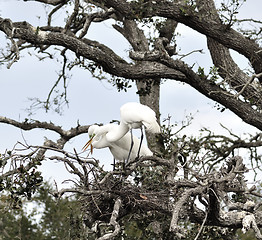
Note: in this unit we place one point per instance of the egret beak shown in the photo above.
(89, 143)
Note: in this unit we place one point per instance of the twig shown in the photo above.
(249, 20)
(248, 82)
(202, 226)
(53, 11)
(79, 191)
(63, 76)
(194, 51)
(16, 50)
(51, 2)
(70, 164)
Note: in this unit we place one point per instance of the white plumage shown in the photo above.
(134, 115)
(122, 144)
(119, 148)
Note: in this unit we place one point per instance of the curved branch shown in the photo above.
(227, 68)
(178, 207)
(113, 64)
(51, 2)
(26, 125)
(168, 68)
(72, 16)
(94, 51)
(183, 13)
(207, 88)
(113, 222)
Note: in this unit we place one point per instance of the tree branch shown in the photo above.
(178, 207)
(248, 83)
(113, 222)
(51, 2)
(26, 125)
(209, 89)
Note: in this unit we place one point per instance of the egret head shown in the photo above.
(92, 133)
(89, 143)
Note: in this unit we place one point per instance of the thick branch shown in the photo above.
(113, 221)
(178, 207)
(51, 2)
(66, 135)
(96, 52)
(227, 68)
(182, 13)
(208, 88)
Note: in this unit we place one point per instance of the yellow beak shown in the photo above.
(89, 143)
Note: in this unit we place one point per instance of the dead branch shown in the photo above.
(51, 2)
(6, 25)
(251, 79)
(33, 124)
(72, 16)
(95, 17)
(63, 191)
(113, 221)
(248, 222)
(49, 19)
(178, 207)
(28, 159)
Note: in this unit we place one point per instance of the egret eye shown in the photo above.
(92, 135)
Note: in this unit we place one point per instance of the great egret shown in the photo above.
(134, 115)
(120, 148)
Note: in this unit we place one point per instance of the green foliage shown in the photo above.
(141, 8)
(146, 89)
(247, 236)
(212, 75)
(49, 218)
(120, 83)
(23, 181)
(201, 72)
(144, 226)
(16, 225)
(209, 233)
(189, 7)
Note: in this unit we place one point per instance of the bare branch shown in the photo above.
(78, 191)
(202, 226)
(248, 222)
(248, 83)
(59, 6)
(95, 17)
(51, 2)
(113, 221)
(29, 125)
(73, 15)
(178, 207)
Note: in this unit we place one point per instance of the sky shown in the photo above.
(92, 101)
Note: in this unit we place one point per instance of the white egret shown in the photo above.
(134, 115)
(120, 148)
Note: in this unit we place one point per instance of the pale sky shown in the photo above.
(92, 101)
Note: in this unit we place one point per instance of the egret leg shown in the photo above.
(131, 147)
(140, 144)
(114, 164)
